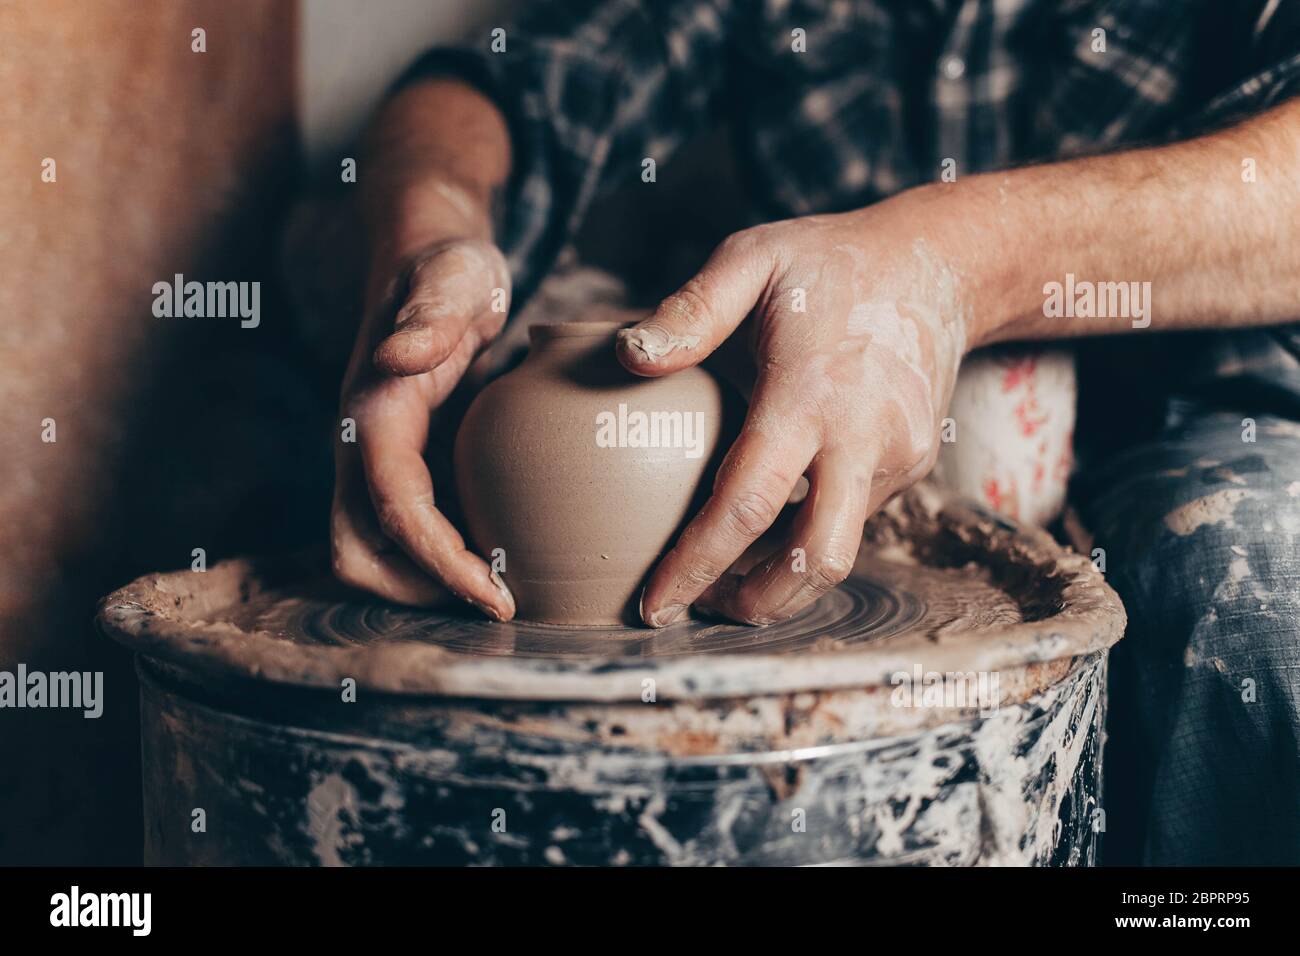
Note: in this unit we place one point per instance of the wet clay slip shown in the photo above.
(577, 475)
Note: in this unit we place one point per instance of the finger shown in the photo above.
(698, 317)
(445, 294)
(401, 492)
(816, 557)
(364, 559)
(752, 486)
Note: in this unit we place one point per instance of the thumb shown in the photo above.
(446, 293)
(698, 317)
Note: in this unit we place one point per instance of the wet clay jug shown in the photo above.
(582, 473)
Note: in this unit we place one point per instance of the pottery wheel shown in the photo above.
(863, 609)
(939, 583)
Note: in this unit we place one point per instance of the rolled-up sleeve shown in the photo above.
(590, 89)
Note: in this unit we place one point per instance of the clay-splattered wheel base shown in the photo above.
(321, 728)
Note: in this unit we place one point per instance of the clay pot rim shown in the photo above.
(540, 332)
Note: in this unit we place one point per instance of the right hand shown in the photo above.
(428, 316)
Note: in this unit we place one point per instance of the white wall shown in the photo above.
(352, 49)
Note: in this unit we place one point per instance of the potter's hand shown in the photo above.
(855, 325)
(419, 337)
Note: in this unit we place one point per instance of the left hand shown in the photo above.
(857, 325)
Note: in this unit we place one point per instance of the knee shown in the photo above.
(1212, 567)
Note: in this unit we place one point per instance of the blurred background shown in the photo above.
(171, 434)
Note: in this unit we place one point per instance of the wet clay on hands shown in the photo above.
(575, 475)
(425, 324)
(856, 326)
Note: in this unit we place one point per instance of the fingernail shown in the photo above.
(667, 615)
(500, 584)
(642, 345)
(489, 612)
(651, 343)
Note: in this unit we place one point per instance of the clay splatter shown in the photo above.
(1213, 509)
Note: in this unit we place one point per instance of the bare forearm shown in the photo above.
(1218, 250)
(434, 160)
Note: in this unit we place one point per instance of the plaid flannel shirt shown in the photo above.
(835, 104)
